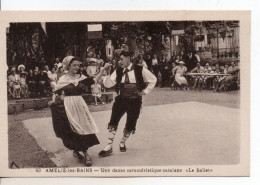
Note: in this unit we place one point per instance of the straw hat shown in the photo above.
(21, 66)
(181, 62)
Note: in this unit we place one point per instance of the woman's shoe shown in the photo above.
(77, 155)
(88, 161)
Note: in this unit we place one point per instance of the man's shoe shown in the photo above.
(122, 147)
(104, 153)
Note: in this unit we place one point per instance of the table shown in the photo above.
(204, 76)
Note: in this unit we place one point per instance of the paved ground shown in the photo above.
(207, 134)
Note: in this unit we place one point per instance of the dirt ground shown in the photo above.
(25, 152)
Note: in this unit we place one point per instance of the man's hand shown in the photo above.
(141, 93)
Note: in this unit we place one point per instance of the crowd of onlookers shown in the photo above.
(171, 72)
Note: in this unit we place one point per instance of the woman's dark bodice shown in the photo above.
(72, 90)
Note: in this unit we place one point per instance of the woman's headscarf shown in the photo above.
(66, 62)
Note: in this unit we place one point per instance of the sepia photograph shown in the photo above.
(123, 97)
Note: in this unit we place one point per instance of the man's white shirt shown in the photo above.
(148, 77)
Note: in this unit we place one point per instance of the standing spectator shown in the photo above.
(113, 66)
(155, 67)
(140, 61)
(60, 72)
(31, 81)
(174, 55)
(100, 61)
(149, 62)
(181, 56)
(53, 78)
(46, 70)
(92, 69)
(190, 61)
(197, 56)
(96, 92)
(42, 85)
(14, 83)
(164, 70)
(82, 70)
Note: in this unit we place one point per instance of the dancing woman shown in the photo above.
(72, 121)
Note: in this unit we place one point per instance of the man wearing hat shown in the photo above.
(131, 83)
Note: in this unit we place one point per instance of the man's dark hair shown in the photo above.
(125, 54)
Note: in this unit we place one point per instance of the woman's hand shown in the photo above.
(106, 66)
(50, 103)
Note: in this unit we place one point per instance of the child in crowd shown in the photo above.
(24, 86)
(96, 92)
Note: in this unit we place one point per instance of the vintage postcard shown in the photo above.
(125, 93)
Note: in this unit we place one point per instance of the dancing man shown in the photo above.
(131, 83)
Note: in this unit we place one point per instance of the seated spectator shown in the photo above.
(208, 80)
(199, 81)
(230, 80)
(21, 69)
(53, 79)
(32, 83)
(14, 84)
(216, 80)
(179, 72)
(207, 68)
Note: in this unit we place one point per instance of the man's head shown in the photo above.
(125, 59)
(207, 65)
(217, 66)
(190, 54)
(46, 68)
(98, 56)
(233, 64)
(13, 70)
(57, 60)
(198, 64)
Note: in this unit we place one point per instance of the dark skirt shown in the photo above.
(70, 139)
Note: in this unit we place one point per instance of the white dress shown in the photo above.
(179, 78)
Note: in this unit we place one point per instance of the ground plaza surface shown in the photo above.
(174, 128)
